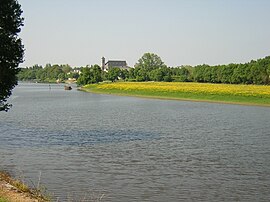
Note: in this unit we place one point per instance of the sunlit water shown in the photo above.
(133, 149)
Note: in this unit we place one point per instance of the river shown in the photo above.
(133, 149)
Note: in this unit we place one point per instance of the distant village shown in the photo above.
(105, 66)
(64, 73)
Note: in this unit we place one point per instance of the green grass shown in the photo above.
(3, 199)
(179, 95)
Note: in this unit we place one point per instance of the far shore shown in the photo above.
(180, 96)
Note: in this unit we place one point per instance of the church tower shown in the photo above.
(103, 63)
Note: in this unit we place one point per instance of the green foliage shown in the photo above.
(3, 199)
(124, 74)
(50, 73)
(141, 74)
(151, 68)
(254, 72)
(161, 74)
(181, 74)
(114, 74)
(66, 68)
(11, 48)
(131, 74)
(149, 62)
(90, 75)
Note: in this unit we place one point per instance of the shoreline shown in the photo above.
(88, 90)
(13, 190)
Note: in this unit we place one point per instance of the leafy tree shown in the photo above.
(157, 75)
(264, 66)
(62, 76)
(124, 74)
(216, 74)
(54, 71)
(181, 74)
(131, 73)
(90, 75)
(259, 73)
(199, 73)
(267, 59)
(226, 73)
(114, 73)
(149, 62)
(141, 74)
(75, 75)
(151, 67)
(104, 75)
(85, 76)
(167, 74)
(96, 70)
(184, 74)
(11, 48)
(161, 74)
(239, 74)
(66, 68)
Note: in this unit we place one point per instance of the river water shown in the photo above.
(132, 149)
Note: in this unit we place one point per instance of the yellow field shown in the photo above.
(224, 93)
(183, 87)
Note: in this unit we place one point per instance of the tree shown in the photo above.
(11, 48)
(84, 77)
(226, 73)
(90, 75)
(96, 70)
(184, 74)
(199, 72)
(148, 67)
(156, 75)
(149, 62)
(131, 74)
(141, 74)
(66, 68)
(124, 74)
(161, 74)
(114, 73)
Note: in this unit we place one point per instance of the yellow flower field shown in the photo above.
(225, 93)
(197, 88)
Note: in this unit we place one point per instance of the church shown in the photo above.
(113, 63)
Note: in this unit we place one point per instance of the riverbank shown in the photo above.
(199, 92)
(12, 190)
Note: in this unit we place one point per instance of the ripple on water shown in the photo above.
(132, 149)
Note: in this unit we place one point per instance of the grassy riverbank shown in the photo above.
(14, 190)
(223, 93)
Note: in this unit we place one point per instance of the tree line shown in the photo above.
(49, 73)
(254, 72)
(150, 67)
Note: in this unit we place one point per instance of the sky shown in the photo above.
(181, 32)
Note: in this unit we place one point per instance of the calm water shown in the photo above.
(131, 149)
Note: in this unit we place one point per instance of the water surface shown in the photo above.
(134, 149)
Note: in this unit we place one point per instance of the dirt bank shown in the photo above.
(14, 191)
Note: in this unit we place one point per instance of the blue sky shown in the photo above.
(181, 32)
